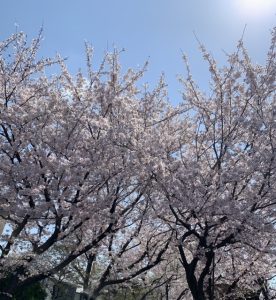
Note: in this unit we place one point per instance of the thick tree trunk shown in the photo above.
(88, 271)
(198, 295)
(196, 291)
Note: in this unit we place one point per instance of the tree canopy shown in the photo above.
(106, 184)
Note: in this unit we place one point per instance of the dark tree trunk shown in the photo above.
(90, 260)
(196, 291)
(198, 288)
(167, 292)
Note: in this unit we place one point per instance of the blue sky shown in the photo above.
(154, 30)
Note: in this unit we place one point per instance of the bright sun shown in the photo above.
(256, 8)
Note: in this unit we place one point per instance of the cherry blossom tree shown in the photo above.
(219, 191)
(121, 261)
(77, 155)
(180, 197)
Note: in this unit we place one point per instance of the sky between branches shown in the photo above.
(154, 30)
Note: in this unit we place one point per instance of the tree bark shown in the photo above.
(90, 260)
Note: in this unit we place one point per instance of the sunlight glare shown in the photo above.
(256, 8)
